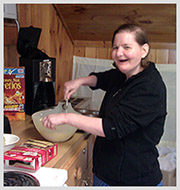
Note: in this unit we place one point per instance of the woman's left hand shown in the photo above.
(50, 121)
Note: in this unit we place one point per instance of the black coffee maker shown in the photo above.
(39, 71)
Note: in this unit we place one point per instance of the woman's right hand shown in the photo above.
(70, 87)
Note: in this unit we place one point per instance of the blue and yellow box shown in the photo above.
(14, 93)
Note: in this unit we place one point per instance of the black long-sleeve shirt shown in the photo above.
(133, 114)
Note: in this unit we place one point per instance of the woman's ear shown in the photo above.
(145, 50)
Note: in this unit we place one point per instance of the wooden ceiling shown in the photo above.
(96, 22)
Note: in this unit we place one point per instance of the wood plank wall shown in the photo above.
(10, 41)
(160, 52)
(54, 40)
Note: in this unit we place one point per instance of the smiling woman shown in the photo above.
(131, 118)
(136, 93)
(130, 49)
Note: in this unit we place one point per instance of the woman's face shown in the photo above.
(127, 53)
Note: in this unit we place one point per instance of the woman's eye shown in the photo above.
(127, 47)
(115, 47)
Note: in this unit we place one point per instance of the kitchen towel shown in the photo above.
(51, 176)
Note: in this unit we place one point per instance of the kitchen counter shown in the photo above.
(77, 147)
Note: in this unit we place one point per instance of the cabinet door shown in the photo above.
(77, 165)
(87, 179)
(90, 147)
(10, 11)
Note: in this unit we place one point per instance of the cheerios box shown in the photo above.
(14, 93)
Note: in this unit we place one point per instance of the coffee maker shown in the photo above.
(39, 71)
(39, 83)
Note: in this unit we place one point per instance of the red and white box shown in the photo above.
(31, 155)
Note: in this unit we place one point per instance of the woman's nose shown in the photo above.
(119, 51)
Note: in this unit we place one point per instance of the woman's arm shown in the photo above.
(72, 86)
(89, 124)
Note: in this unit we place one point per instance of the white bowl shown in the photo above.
(62, 132)
(10, 141)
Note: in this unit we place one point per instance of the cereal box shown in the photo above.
(14, 93)
(31, 155)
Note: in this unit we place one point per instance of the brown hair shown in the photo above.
(140, 37)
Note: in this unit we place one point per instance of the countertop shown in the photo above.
(25, 129)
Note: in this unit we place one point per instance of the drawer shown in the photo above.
(76, 165)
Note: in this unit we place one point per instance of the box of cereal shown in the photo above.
(14, 93)
(32, 154)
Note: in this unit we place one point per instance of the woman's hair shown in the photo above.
(140, 37)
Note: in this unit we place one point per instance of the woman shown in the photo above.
(132, 114)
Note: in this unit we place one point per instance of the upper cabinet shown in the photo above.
(10, 11)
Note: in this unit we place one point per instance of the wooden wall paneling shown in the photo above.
(59, 56)
(86, 21)
(108, 44)
(64, 62)
(45, 17)
(37, 14)
(68, 58)
(162, 56)
(79, 51)
(11, 55)
(11, 58)
(24, 15)
(55, 31)
(61, 18)
(93, 52)
(152, 55)
(90, 52)
(54, 40)
(109, 53)
(62, 48)
(102, 53)
(172, 56)
(159, 52)
(155, 45)
(10, 34)
(84, 43)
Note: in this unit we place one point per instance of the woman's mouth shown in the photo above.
(123, 60)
